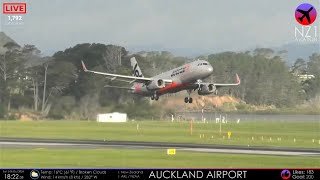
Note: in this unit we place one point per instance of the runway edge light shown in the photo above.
(171, 151)
(229, 134)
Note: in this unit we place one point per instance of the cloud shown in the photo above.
(206, 24)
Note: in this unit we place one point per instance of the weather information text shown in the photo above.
(91, 174)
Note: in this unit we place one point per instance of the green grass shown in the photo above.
(255, 133)
(107, 158)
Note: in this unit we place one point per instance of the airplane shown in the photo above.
(305, 14)
(187, 77)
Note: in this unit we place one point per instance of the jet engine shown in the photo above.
(156, 84)
(206, 89)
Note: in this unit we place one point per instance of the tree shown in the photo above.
(313, 65)
(312, 86)
(11, 65)
(33, 66)
(45, 65)
(265, 52)
(113, 56)
(299, 67)
(265, 80)
(58, 76)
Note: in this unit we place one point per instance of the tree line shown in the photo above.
(56, 86)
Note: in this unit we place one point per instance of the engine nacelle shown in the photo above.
(206, 89)
(156, 84)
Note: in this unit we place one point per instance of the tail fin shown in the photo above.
(136, 71)
(84, 67)
(238, 81)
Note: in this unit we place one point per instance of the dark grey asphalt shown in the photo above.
(94, 144)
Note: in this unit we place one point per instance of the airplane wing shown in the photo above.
(238, 81)
(119, 87)
(302, 11)
(129, 79)
(218, 85)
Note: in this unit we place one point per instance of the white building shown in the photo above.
(112, 117)
(306, 76)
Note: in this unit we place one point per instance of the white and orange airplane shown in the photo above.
(187, 77)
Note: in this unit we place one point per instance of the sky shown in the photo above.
(197, 26)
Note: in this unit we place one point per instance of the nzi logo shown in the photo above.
(306, 33)
(14, 8)
(305, 15)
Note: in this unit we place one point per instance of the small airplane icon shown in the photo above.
(305, 14)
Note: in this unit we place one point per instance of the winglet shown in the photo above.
(238, 81)
(84, 67)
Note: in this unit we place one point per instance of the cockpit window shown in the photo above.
(205, 63)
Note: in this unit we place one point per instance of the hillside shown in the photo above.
(4, 39)
(200, 102)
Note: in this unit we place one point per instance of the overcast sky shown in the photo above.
(204, 25)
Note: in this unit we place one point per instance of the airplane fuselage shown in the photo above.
(183, 77)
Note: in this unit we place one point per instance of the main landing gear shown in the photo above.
(155, 97)
(188, 99)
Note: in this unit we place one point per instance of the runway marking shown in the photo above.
(234, 150)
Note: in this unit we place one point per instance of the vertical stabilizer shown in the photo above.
(136, 71)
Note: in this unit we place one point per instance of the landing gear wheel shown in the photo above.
(155, 96)
(188, 99)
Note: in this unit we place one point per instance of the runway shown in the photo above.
(31, 143)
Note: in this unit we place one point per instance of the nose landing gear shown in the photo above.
(188, 99)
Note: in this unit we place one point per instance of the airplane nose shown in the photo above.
(210, 69)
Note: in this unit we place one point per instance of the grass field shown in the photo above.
(244, 133)
(255, 133)
(107, 158)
